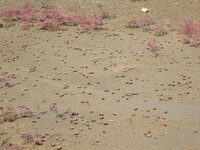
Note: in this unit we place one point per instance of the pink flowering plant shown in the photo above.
(140, 23)
(33, 138)
(11, 14)
(8, 114)
(152, 46)
(25, 111)
(51, 19)
(191, 31)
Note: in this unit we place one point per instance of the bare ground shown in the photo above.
(111, 93)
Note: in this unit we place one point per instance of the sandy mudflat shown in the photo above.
(111, 93)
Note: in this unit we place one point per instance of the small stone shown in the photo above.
(114, 114)
(97, 141)
(53, 145)
(112, 120)
(59, 148)
(26, 89)
(148, 134)
(76, 133)
(145, 10)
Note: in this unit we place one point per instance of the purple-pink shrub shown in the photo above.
(8, 114)
(131, 24)
(45, 23)
(151, 45)
(27, 137)
(191, 32)
(33, 138)
(74, 18)
(49, 18)
(144, 22)
(39, 139)
(190, 27)
(57, 16)
(186, 39)
(91, 22)
(53, 107)
(4, 79)
(195, 41)
(11, 14)
(49, 25)
(25, 111)
(159, 31)
(27, 15)
(140, 23)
